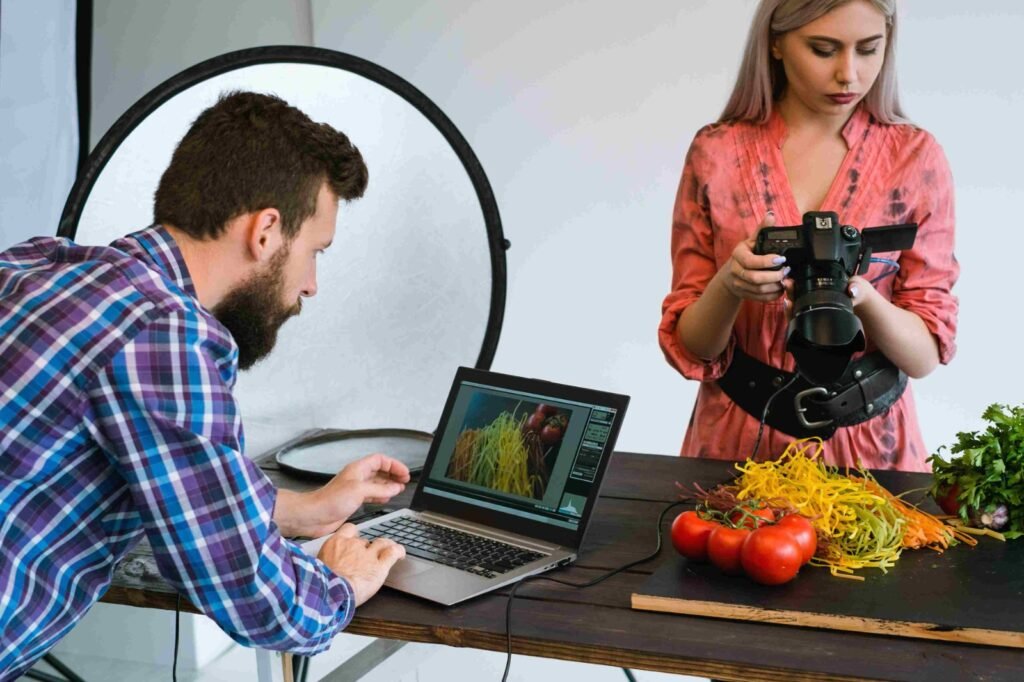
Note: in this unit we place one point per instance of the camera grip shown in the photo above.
(765, 243)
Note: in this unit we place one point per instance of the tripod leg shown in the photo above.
(67, 672)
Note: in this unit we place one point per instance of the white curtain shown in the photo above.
(38, 116)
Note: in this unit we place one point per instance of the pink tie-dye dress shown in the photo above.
(733, 175)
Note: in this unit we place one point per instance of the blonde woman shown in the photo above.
(813, 124)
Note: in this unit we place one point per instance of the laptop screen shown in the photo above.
(522, 454)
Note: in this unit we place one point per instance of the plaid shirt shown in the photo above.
(117, 420)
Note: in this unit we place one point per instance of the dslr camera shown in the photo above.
(823, 254)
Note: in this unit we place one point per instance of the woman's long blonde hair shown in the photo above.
(762, 80)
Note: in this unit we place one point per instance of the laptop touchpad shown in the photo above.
(407, 569)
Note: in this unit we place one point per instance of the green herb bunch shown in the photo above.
(989, 469)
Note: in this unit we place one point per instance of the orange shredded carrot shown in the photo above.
(921, 529)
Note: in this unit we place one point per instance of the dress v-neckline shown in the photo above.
(827, 201)
(791, 214)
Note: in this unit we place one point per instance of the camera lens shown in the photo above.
(824, 331)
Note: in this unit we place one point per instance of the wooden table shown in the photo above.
(597, 625)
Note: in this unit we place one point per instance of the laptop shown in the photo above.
(508, 487)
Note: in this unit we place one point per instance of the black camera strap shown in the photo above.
(869, 387)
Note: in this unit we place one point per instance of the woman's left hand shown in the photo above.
(858, 289)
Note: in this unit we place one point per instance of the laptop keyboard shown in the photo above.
(455, 548)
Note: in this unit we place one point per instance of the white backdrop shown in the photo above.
(581, 114)
(38, 116)
(404, 292)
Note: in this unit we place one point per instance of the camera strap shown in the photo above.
(869, 387)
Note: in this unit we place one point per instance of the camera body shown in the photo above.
(820, 243)
(823, 254)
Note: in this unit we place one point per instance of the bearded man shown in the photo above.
(117, 366)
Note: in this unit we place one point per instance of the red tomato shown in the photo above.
(802, 530)
(771, 556)
(745, 521)
(535, 422)
(948, 502)
(690, 535)
(550, 435)
(724, 546)
(546, 410)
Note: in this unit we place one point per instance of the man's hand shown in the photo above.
(365, 564)
(375, 478)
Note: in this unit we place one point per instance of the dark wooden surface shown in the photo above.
(597, 625)
(965, 594)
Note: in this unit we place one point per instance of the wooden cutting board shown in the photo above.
(966, 594)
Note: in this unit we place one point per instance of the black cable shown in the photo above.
(764, 413)
(629, 675)
(177, 626)
(589, 583)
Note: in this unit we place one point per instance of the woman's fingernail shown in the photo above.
(779, 260)
(785, 271)
(771, 213)
(853, 292)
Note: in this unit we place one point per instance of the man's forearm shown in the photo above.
(289, 513)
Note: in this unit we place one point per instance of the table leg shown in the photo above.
(364, 661)
(273, 666)
(268, 666)
(287, 667)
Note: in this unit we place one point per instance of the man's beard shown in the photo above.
(253, 312)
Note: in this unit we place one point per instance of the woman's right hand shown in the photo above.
(747, 275)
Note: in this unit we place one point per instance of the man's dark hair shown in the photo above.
(249, 152)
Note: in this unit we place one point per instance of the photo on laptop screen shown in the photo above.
(520, 453)
(507, 453)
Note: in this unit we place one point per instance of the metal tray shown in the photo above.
(322, 453)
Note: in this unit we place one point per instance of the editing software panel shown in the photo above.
(595, 437)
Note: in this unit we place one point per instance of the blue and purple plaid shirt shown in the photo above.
(117, 419)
